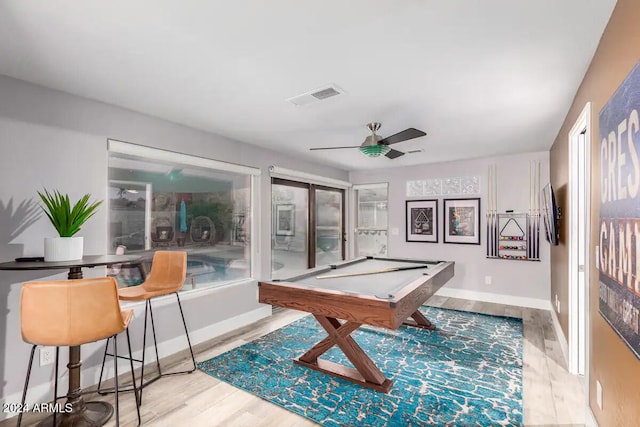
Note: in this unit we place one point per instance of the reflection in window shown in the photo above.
(371, 217)
(290, 230)
(299, 240)
(329, 227)
(163, 205)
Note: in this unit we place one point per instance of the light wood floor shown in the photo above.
(551, 395)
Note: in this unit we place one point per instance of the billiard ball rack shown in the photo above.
(516, 237)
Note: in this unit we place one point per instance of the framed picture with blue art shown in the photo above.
(462, 221)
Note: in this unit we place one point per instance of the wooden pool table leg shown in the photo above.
(366, 373)
(419, 321)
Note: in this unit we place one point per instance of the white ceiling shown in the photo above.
(481, 78)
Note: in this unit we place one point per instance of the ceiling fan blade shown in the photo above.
(393, 154)
(405, 135)
(334, 148)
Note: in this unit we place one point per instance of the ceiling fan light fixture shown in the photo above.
(375, 150)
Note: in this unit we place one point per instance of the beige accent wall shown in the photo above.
(610, 360)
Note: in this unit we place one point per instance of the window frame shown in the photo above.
(311, 217)
(158, 154)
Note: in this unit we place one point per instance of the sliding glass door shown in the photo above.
(307, 227)
(329, 226)
(289, 229)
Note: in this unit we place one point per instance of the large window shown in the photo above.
(169, 201)
(371, 219)
(300, 240)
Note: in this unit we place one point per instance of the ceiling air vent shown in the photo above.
(316, 95)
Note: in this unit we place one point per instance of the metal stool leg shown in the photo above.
(148, 313)
(115, 378)
(133, 379)
(144, 349)
(26, 385)
(104, 359)
(149, 307)
(55, 388)
(186, 332)
(155, 342)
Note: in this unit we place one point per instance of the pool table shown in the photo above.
(375, 291)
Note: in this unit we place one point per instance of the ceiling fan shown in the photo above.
(374, 145)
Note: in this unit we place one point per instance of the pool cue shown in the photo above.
(488, 212)
(529, 234)
(363, 273)
(529, 212)
(491, 243)
(494, 209)
(537, 212)
(533, 209)
(535, 198)
(496, 218)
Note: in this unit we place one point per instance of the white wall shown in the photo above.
(48, 138)
(524, 283)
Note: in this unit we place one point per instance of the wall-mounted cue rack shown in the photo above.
(517, 237)
(514, 236)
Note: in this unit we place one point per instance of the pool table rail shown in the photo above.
(363, 308)
(411, 297)
(331, 303)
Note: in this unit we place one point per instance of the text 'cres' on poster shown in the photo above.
(619, 230)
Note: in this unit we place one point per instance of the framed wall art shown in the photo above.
(462, 221)
(422, 221)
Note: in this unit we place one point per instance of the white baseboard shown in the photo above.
(90, 375)
(562, 339)
(590, 419)
(495, 298)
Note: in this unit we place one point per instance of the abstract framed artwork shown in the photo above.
(422, 221)
(462, 221)
(285, 220)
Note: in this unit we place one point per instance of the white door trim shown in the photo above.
(579, 261)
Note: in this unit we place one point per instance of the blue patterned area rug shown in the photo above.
(467, 372)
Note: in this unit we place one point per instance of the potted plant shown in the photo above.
(67, 220)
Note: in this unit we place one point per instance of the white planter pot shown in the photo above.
(63, 248)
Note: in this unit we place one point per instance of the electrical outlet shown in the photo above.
(487, 280)
(47, 355)
(599, 394)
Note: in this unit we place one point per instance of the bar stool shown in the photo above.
(70, 313)
(167, 275)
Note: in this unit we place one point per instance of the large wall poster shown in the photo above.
(619, 230)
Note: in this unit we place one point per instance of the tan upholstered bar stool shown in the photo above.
(168, 273)
(70, 313)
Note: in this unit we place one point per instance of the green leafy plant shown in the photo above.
(65, 219)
